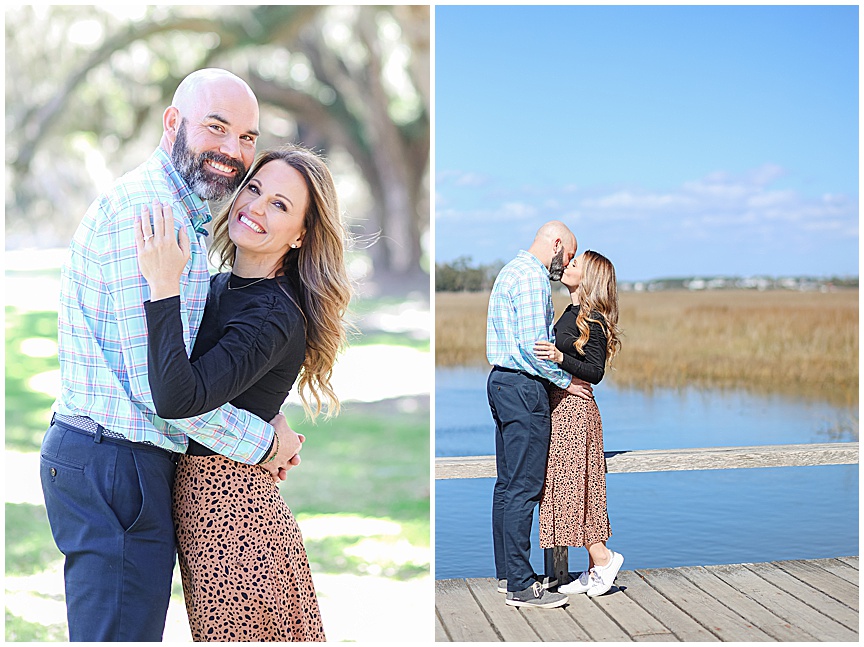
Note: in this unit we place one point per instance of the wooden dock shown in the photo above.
(809, 601)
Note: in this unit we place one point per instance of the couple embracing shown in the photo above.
(548, 439)
(168, 424)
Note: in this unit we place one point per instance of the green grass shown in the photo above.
(19, 630)
(28, 412)
(371, 460)
(391, 339)
(29, 545)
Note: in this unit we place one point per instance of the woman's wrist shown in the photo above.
(164, 291)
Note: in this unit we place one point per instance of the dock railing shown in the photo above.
(668, 460)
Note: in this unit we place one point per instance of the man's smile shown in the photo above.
(221, 168)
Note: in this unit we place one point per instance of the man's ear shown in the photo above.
(171, 120)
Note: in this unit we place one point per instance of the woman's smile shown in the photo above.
(254, 226)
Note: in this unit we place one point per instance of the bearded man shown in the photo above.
(521, 313)
(107, 460)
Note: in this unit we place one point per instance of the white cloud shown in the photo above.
(766, 174)
(704, 220)
(471, 179)
(634, 201)
(518, 211)
(721, 200)
(460, 178)
(771, 199)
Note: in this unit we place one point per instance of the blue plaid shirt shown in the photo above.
(520, 313)
(103, 328)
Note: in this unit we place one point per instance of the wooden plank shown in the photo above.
(679, 623)
(554, 625)
(440, 635)
(819, 578)
(706, 610)
(599, 626)
(670, 460)
(815, 598)
(783, 604)
(461, 616)
(638, 623)
(838, 568)
(789, 601)
(509, 624)
(744, 606)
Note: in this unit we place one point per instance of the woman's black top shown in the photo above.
(590, 366)
(249, 350)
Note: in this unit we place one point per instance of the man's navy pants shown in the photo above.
(523, 426)
(109, 506)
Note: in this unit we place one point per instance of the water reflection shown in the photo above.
(659, 419)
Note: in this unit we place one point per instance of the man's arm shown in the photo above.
(232, 432)
(529, 298)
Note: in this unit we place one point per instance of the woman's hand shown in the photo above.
(161, 258)
(547, 350)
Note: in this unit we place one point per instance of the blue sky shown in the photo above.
(676, 140)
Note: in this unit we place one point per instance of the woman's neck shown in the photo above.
(574, 296)
(252, 266)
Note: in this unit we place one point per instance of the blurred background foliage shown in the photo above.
(86, 87)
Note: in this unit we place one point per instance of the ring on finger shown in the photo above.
(146, 238)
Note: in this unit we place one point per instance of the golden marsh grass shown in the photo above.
(798, 343)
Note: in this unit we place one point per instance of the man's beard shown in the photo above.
(556, 267)
(204, 183)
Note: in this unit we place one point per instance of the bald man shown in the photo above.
(107, 460)
(521, 313)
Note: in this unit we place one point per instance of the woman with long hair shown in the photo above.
(573, 504)
(276, 318)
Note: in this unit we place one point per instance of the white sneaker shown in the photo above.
(606, 575)
(580, 585)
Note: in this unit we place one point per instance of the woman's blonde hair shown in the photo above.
(598, 295)
(316, 270)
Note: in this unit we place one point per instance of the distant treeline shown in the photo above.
(461, 275)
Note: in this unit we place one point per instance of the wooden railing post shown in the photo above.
(555, 564)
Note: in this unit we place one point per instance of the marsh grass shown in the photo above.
(798, 343)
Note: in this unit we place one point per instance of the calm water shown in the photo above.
(673, 518)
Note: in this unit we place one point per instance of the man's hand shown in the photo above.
(580, 388)
(288, 454)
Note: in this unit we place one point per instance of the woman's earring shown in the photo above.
(293, 245)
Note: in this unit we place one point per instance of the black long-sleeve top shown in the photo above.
(249, 350)
(592, 365)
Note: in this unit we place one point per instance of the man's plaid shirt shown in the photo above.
(103, 328)
(520, 313)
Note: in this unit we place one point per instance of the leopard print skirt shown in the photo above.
(573, 504)
(245, 573)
